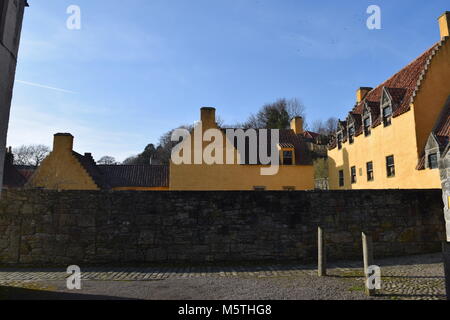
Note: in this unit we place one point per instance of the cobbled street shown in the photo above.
(407, 278)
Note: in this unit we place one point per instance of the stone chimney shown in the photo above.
(208, 117)
(361, 93)
(297, 125)
(444, 24)
(62, 142)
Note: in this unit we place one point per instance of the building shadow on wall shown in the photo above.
(345, 167)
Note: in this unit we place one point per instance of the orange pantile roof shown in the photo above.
(402, 88)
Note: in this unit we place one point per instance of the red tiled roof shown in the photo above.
(401, 87)
(403, 83)
(421, 164)
(311, 135)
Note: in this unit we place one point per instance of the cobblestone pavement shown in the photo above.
(416, 277)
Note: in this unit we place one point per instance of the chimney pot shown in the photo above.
(444, 24)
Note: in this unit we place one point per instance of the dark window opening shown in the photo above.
(351, 135)
(390, 166)
(341, 178)
(353, 170)
(339, 141)
(387, 116)
(370, 176)
(367, 127)
(433, 161)
(287, 158)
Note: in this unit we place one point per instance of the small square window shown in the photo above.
(353, 173)
(341, 178)
(433, 161)
(390, 166)
(369, 166)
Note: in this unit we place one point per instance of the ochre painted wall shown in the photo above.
(433, 93)
(399, 140)
(62, 171)
(238, 177)
(405, 139)
(235, 176)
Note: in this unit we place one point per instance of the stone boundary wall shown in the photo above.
(93, 227)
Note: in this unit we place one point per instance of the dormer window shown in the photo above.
(433, 161)
(387, 116)
(339, 140)
(351, 134)
(386, 109)
(367, 126)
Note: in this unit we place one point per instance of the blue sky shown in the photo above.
(139, 68)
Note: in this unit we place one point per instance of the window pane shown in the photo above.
(433, 161)
(287, 157)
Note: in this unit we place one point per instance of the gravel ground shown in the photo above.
(417, 277)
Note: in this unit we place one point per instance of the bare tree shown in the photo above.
(276, 115)
(31, 155)
(107, 160)
(129, 160)
(326, 128)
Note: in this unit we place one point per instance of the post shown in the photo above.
(446, 255)
(322, 254)
(10, 28)
(368, 260)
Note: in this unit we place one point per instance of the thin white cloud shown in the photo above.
(44, 86)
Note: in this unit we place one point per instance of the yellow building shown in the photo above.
(65, 169)
(381, 144)
(295, 172)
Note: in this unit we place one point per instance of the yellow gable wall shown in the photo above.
(62, 171)
(237, 177)
(433, 93)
